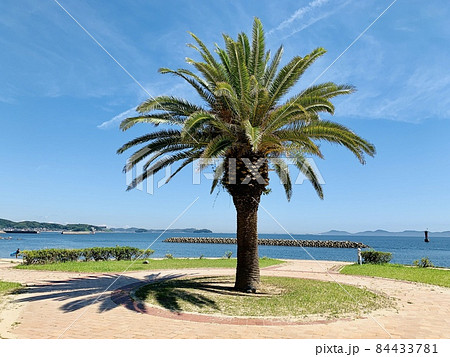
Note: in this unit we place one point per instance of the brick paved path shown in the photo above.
(59, 304)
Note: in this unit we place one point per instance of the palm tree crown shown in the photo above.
(242, 116)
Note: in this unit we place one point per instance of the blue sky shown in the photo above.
(62, 98)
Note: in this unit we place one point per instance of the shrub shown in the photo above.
(54, 255)
(169, 256)
(45, 256)
(145, 253)
(374, 257)
(228, 254)
(98, 253)
(423, 263)
(125, 253)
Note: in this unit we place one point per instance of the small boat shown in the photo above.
(426, 236)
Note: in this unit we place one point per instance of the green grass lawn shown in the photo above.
(402, 272)
(119, 266)
(281, 297)
(8, 287)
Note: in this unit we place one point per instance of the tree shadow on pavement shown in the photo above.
(81, 292)
(169, 294)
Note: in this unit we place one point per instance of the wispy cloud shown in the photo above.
(5, 99)
(180, 90)
(299, 14)
(307, 15)
(405, 101)
(114, 122)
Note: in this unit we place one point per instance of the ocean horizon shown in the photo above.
(404, 249)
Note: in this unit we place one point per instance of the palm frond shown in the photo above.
(156, 167)
(253, 134)
(173, 105)
(183, 165)
(211, 74)
(328, 90)
(195, 121)
(156, 149)
(256, 62)
(300, 139)
(207, 56)
(282, 170)
(224, 59)
(217, 146)
(218, 173)
(155, 119)
(240, 79)
(290, 73)
(308, 170)
(243, 40)
(195, 81)
(339, 134)
(161, 134)
(271, 71)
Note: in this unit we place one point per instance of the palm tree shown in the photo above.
(244, 121)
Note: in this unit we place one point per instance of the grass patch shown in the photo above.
(7, 287)
(153, 264)
(432, 276)
(278, 297)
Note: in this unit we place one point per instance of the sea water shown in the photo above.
(404, 249)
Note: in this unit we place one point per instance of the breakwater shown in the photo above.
(280, 242)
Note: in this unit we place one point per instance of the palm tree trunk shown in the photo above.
(247, 271)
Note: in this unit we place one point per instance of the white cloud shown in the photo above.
(308, 15)
(114, 122)
(180, 90)
(297, 15)
(419, 96)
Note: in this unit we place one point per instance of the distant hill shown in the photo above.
(42, 226)
(383, 233)
(336, 233)
(79, 227)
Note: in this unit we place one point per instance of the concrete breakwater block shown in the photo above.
(280, 242)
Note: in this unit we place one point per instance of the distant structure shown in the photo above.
(426, 236)
(27, 231)
(281, 242)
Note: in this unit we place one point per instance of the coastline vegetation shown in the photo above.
(56, 255)
(150, 264)
(279, 297)
(33, 225)
(374, 257)
(440, 277)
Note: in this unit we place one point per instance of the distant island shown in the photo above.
(80, 227)
(44, 227)
(383, 233)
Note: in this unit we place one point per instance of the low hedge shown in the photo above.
(45, 256)
(374, 257)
